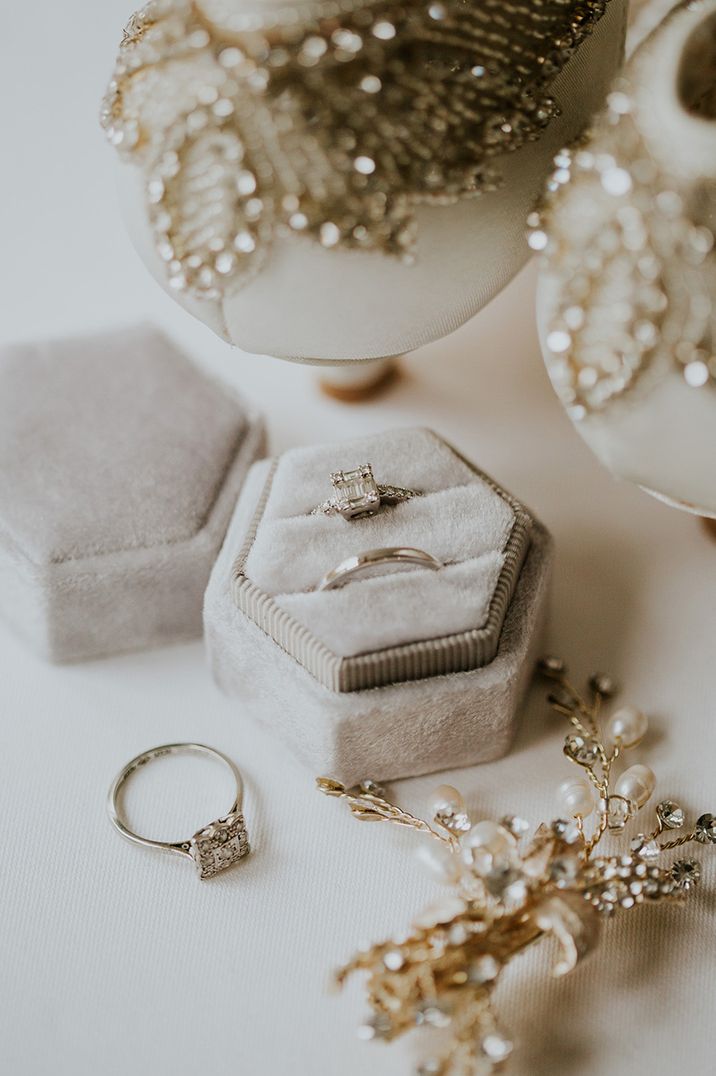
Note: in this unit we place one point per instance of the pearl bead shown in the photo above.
(445, 800)
(628, 725)
(636, 784)
(440, 863)
(487, 846)
(576, 797)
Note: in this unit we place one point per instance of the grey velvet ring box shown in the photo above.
(120, 466)
(391, 675)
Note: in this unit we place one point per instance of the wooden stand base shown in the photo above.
(359, 382)
(710, 525)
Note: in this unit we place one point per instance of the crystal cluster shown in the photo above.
(629, 242)
(508, 891)
(220, 844)
(331, 120)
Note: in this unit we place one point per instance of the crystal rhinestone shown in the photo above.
(517, 826)
(364, 165)
(646, 849)
(567, 831)
(580, 750)
(619, 811)
(455, 821)
(686, 873)
(670, 814)
(706, 829)
(384, 30)
(244, 242)
(219, 845)
(371, 84)
(563, 871)
(505, 882)
(496, 1047)
(603, 685)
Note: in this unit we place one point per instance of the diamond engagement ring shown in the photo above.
(374, 558)
(214, 847)
(358, 494)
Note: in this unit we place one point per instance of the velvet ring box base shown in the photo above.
(120, 465)
(393, 675)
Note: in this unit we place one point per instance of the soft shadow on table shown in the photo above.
(554, 1022)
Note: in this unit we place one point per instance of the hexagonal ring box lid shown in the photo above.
(120, 465)
(398, 626)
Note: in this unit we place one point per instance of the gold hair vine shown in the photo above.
(328, 119)
(507, 895)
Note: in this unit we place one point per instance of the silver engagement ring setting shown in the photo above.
(214, 847)
(358, 494)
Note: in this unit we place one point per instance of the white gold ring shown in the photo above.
(358, 494)
(374, 558)
(214, 847)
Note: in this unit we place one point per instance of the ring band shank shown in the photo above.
(115, 815)
(352, 566)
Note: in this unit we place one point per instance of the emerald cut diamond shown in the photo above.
(357, 492)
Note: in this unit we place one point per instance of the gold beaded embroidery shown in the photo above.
(329, 120)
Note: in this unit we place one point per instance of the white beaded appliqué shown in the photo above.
(329, 120)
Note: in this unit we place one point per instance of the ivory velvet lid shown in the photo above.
(120, 463)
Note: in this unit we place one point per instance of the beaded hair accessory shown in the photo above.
(509, 892)
(331, 120)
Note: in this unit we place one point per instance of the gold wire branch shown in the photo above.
(367, 804)
(506, 895)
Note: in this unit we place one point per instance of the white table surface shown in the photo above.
(114, 960)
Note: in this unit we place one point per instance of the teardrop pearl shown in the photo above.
(636, 784)
(445, 799)
(576, 797)
(627, 725)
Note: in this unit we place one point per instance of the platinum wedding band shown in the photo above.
(352, 566)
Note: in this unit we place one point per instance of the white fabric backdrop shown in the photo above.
(118, 961)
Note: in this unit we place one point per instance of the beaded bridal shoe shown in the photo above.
(273, 153)
(627, 296)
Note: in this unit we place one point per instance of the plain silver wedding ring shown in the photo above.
(373, 558)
